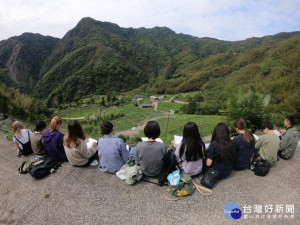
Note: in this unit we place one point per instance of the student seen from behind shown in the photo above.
(21, 138)
(190, 152)
(111, 149)
(76, 148)
(289, 138)
(245, 145)
(149, 154)
(53, 141)
(220, 154)
(36, 138)
(267, 144)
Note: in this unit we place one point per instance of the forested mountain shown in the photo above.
(21, 59)
(98, 57)
(271, 67)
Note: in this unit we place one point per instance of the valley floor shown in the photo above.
(88, 196)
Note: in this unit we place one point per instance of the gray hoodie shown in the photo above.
(288, 143)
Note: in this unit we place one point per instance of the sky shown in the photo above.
(230, 20)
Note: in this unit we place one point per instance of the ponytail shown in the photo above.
(247, 137)
(54, 123)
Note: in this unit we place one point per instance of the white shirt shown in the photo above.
(23, 138)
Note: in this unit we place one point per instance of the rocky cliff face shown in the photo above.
(24, 56)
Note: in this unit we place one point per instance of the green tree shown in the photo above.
(103, 101)
(250, 106)
(190, 108)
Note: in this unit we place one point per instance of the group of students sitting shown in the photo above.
(224, 153)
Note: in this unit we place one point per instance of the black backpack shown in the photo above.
(27, 150)
(170, 165)
(261, 168)
(44, 169)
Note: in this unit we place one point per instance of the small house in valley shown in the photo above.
(153, 98)
(146, 105)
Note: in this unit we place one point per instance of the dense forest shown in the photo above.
(99, 57)
(21, 106)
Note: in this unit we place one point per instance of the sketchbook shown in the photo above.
(90, 142)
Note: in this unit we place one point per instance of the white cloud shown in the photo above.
(222, 19)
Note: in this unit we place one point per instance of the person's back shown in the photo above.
(244, 153)
(149, 155)
(53, 141)
(220, 154)
(21, 138)
(81, 155)
(244, 143)
(53, 145)
(288, 143)
(36, 138)
(76, 148)
(111, 150)
(36, 143)
(224, 167)
(190, 152)
(289, 139)
(268, 145)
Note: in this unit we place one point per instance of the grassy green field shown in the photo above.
(77, 112)
(129, 116)
(174, 126)
(133, 116)
(166, 106)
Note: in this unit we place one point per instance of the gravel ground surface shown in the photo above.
(87, 196)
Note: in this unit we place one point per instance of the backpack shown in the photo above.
(38, 167)
(44, 169)
(261, 168)
(27, 150)
(210, 178)
(185, 187)
(170, 165)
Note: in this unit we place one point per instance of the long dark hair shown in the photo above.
(75, 131)
(226, 148)
(192, 146)
(248, 138)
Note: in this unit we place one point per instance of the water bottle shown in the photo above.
(174, 179)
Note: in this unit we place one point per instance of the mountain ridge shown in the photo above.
(98, 57)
